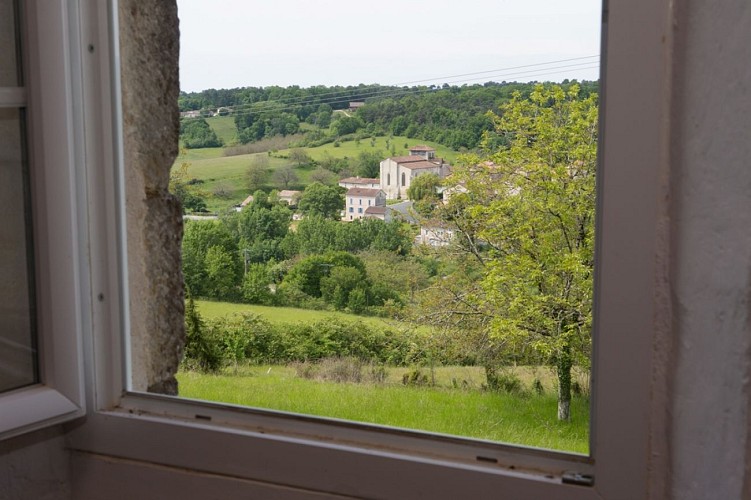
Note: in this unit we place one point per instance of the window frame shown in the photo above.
(362, 459)
(48, 35)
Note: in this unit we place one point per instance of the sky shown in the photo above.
(258, 43)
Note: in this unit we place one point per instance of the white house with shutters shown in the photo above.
(358, 200)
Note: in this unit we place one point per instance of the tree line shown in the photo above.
(455, 116)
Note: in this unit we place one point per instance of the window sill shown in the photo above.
(35, 407)
(320, 454)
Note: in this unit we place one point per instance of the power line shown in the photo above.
(273, 106)
(376, 90)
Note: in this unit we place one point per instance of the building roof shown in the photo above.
(376, 210)
(421, 165)
(407, 159)
(421, 147)
(247, 201)
(356, 104)
(358, 180)
(363, 192)
(288, 193)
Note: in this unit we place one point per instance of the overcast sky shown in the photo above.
(242, 43)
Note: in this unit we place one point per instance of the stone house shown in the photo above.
(396, 173)
(289, 196)
(435, 234)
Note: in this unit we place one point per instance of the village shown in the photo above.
(386, 197)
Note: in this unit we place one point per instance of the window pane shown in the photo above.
(465, 310)
(17, 335)
(9, 74)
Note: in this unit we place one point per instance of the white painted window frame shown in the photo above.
(55, 158)
(342, 457)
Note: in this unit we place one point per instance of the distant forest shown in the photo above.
(455, 116)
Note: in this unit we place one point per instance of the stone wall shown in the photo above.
(149, 48)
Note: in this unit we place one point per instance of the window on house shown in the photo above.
(307, 463)
(40, 301)
(388, 179)
(366, 287)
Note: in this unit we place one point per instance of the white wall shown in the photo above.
(711, 261)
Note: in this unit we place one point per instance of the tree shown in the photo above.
(196, 133)
(369, 164)
(255, 287)
(318, 199)
(191, 199)
(424, 187)
(221, 274)
(257, 171)
(323, 176)
(284, 176)
(299, 156)
(200, 349)
(340, 282)
(423, 191)
(261, 227)
(198, 237)
(534, 207)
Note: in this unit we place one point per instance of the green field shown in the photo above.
(211, 309)
(224, 127)
(523, 419)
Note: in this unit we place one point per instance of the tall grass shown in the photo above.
(525, 419)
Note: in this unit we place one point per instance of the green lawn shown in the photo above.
(523, 419)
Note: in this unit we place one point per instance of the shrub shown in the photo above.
(503, 381)
(415, 377)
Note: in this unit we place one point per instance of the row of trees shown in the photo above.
(253, 256)
(454, 116)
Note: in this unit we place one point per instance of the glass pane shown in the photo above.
(9, 74)
(392, 227)
(17, 335)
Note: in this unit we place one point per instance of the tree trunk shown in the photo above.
(563, 366)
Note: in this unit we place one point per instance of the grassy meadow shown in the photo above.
(445, 399)
(212, 309)
(514, 418)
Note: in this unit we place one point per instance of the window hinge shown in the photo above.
(571, 477)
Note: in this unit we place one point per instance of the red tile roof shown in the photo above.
(421, 147)
(422, 165)
(407, 159)
(359, 180)
(375, 210)
(363, 192)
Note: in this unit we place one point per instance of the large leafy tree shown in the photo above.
(531, 203)
(199, 237)
(319, 199)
